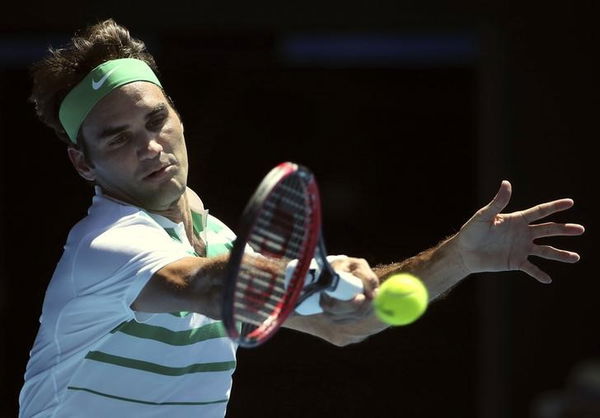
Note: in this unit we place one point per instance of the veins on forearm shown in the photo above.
(439, 267)
(412, 265)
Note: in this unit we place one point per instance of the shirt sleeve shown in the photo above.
(115, 265)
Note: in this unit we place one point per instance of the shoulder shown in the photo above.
(116, 231)
(104, 215)
(105, 251)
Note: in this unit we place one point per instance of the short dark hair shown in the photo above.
(55, 75)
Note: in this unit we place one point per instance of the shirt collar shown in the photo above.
(163, 221)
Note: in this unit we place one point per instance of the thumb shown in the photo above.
(498, 203)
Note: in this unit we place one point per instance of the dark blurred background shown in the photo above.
(410, 114)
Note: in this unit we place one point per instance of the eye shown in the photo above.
(118, 140)
(156, 123)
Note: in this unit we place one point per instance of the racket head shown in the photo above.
(280, 223)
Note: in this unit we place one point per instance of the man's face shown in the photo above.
(135, 147)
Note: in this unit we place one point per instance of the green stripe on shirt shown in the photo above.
(106, 395)
(158, 368)
(186, 337)
(214, 250)
(214, 225)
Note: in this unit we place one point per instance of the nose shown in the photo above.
(149, 147)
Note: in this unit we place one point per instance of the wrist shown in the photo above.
(442, 267)
(455, 256)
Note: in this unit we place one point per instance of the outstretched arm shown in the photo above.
(492, 241)
(489, 241)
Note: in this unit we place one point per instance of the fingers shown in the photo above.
(552, 229)
(342, 311)
(551, 253)
(545, 209)
(535, 272)
(360, 268)
(498, 203)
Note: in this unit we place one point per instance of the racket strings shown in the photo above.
(278, 237)
(293, 199)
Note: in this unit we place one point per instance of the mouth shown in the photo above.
(161, 173)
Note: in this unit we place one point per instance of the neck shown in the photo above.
(179, 211)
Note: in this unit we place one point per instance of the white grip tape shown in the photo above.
(347, 287)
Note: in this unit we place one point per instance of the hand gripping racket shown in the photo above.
(266, 276)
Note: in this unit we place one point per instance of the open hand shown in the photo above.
(494, 241)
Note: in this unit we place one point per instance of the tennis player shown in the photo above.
(130, 321)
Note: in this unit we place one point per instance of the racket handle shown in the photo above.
(348, 286)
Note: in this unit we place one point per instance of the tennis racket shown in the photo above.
(279, 239)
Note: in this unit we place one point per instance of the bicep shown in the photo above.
(192, 284)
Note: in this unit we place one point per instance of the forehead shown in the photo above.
(125, 102)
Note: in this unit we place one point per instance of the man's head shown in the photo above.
(122, 131)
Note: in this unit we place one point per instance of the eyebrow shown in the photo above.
(113, 130)
(159, 108)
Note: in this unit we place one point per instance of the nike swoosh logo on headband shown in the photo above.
(97, 84)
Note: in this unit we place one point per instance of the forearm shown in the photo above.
(440, 268)
(336, 333)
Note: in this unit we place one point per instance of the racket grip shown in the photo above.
(347, 287)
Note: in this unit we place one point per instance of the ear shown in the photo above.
(80, 163)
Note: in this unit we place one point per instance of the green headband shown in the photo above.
(98, 83)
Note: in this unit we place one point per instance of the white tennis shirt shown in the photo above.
(95, 357)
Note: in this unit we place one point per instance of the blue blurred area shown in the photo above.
(379, 50)
(21, 50)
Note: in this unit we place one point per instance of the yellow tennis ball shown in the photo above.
(401, 299)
